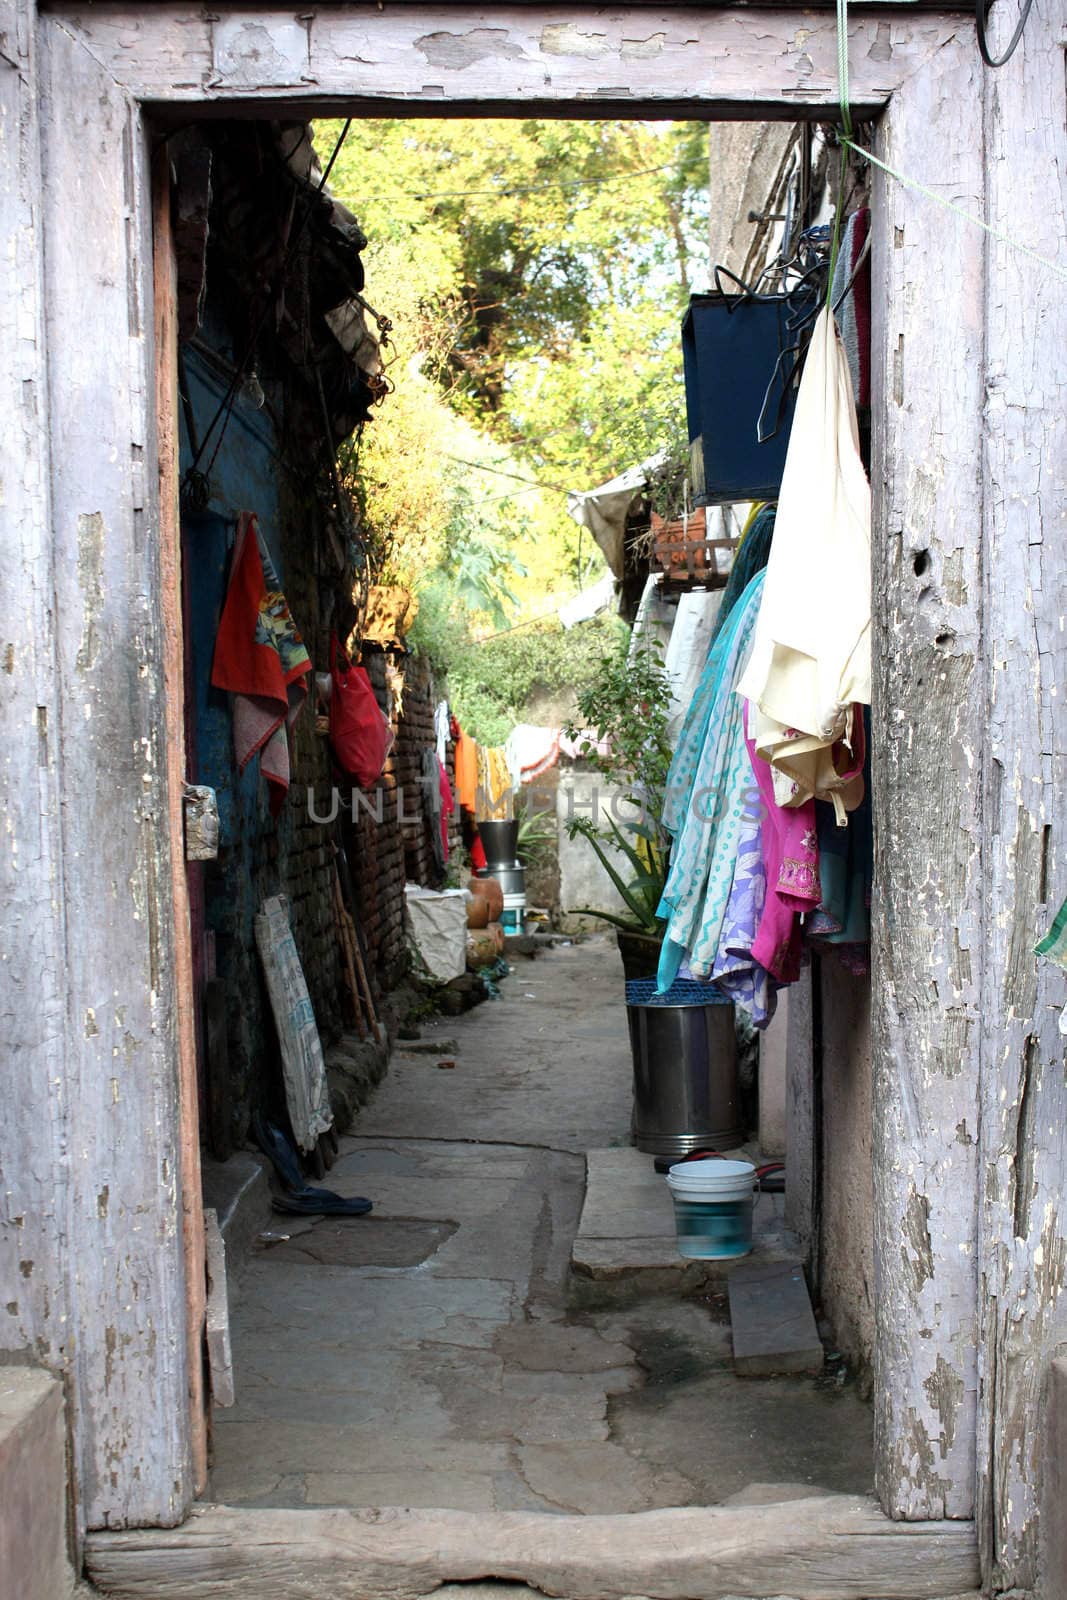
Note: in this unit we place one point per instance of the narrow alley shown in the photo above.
(440, 1352)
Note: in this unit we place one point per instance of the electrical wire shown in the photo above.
(525, 188)
(499, 472)
(981, 17)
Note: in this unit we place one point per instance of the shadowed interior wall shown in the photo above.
(846, 1254)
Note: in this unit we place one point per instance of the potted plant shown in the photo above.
(623, 735)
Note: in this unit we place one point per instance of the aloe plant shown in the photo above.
(642, 892)
(626, 711)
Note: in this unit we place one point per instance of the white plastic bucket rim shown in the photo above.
(712, 1180)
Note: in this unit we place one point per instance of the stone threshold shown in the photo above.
(827, 1547)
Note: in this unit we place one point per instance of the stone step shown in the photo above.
(626, 1243)
(33, 1487)
(771, 1319)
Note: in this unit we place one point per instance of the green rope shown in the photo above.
(949, 205)
(842, 66)
(846, 123)
(849, 143)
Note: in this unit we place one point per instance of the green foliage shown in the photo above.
(536, 273)
(537, 831)
(640, 892)
(626, 708)
(491, 681)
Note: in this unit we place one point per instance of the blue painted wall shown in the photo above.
(247, 474)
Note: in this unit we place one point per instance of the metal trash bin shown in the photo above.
(686, 1092)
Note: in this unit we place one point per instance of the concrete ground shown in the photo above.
(430, 1354)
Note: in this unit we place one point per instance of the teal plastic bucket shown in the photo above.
(713, 1208)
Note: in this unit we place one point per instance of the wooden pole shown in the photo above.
(195, 1248)
(344, 934)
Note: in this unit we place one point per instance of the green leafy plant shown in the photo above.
(641, 892)
(624, 725)
(538, 832)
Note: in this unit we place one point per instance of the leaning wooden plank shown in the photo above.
(835, 1547)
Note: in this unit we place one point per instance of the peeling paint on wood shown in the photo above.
(129, 1384)
(35, 1286)
(928, 721)
(1023, 1217)
(971, 1105)
(715, 60)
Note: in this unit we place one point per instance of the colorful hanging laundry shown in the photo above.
(493, 802)
(790, 849)
(705, 797)
(430, 780)
(811, 656)
(261, 660)
(531, 751)
(1054, 943)
(736, 972)
(448, 806)
(846, 869)
(442, 729)
(466, 770)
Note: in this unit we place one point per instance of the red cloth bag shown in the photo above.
(359, 730)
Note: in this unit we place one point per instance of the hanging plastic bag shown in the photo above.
(359, 731)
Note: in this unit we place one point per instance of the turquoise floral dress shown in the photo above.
(706, 790)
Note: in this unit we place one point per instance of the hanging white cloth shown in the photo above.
(687, 651)
(811, 657)
(441, 730)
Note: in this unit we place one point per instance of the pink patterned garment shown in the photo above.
(791, 858)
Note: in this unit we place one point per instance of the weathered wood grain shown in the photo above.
(35, 1302)
(564, 59)
(165, 338)
(827, 1548)
(1023, 1138)
(117, 1047)
(928, 730)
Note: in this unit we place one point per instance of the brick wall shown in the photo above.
(388, 841)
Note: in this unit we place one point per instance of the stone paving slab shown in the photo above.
(431, 1354)
(626, 1237)
(772, 1323)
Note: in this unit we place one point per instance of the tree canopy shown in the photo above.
(536, 273)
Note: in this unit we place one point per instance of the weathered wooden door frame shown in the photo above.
(110, 75)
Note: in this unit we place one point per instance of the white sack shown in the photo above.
(438, 923)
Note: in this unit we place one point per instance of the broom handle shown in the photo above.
(340, 916)
(361, 949)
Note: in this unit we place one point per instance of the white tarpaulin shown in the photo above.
(438, 922)
(303, 1068)
(589, 603)
(604, 511)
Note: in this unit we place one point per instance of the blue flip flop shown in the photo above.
(320, 1203)
(302, 1198)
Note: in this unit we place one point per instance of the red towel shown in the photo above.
(261, 659)
(448, 805)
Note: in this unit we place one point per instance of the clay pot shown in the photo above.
(491, 890)
(496, 930)
(477, 911)
(481, 950)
